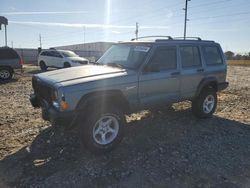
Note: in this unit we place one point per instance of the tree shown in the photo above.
(229, 55)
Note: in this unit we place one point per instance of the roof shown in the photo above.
(167, 39)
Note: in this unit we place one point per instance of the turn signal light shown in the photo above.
(64, 105)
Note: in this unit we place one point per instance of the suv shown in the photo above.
(129, 77)
(9, 61)
(59, 59)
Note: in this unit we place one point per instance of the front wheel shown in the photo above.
(66, 65)
(205, 104)
(43, 66)
(103, 129)
(6, 73)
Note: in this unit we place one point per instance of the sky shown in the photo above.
(64, 22)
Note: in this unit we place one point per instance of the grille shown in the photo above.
(41, 90)
(83, 62)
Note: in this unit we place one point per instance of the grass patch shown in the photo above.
(239, 62)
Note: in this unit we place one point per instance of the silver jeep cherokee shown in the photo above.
(129, 77)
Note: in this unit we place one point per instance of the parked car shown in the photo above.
(131, 76)
(59, 59)
(9, 61)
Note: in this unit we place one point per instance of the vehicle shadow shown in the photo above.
(8, 81)
(163, 147)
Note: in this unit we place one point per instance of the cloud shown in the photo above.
(116, 32)
(78, 25)
(11, 8)
(39, 13)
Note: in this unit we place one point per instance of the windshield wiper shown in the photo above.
(96, 63)
(113, 64)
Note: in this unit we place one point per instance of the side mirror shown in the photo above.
(155, 67)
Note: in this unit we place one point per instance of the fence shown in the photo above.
(30, 55)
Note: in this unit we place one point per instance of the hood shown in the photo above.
(81, 74)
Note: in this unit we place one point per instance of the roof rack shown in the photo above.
(198, 38)
(156, 36)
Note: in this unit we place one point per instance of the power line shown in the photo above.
(225, 15)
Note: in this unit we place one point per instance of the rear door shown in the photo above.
(214, 61)
(9, 57)
(159, 80)
(192, 69)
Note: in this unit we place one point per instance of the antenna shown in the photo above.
(185, 21)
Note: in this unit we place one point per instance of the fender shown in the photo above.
(212, 81)
(106, 96)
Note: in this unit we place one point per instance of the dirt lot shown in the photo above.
(162, 148)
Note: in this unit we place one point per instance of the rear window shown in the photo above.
(212, 55)
(8, 54)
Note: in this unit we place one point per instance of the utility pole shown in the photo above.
(6, 43)
(185, 21)
(84, 31)
(40, 40)
(136, 30)
(11, 44)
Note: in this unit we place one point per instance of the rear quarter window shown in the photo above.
(212, 55)
(45, 53)
(8, 54)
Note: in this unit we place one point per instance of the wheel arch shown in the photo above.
(7, 67)
(210, 82)
(115, 97)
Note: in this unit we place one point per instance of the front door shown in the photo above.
(159, 81)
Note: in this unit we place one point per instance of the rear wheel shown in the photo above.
(103, 129)
(205, 104)
(6, 73)
(43, 66)
(66, 65)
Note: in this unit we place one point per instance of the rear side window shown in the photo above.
(55, 54)
(45, 53)
(8, 54)
(190, 56)
(164, 58)
(212, 55)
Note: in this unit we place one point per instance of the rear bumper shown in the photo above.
(50, 114)
(222, 86)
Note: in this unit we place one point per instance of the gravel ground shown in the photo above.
(162, 148)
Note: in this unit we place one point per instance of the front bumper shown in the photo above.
(49, 113)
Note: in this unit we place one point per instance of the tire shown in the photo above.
(103, 129)
(6, 73)
(205, 104)
(43, 66)
(66, 65)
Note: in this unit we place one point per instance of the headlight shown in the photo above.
(76, 61)
(56, 104)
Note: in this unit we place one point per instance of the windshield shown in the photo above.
(69, 54)
(125, 56)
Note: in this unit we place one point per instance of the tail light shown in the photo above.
(21, 61)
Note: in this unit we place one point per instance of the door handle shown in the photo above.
(175, 73)
(200, 70)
